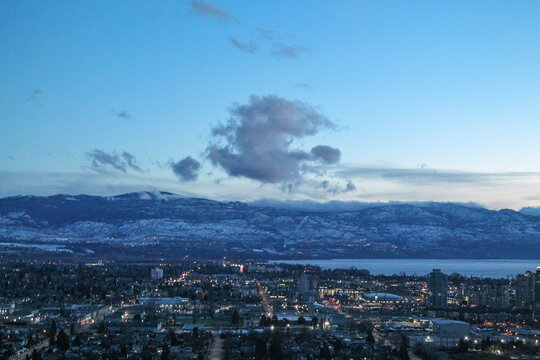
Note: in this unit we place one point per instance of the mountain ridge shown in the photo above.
(396, 229)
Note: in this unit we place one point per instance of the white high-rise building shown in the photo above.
(156, 273)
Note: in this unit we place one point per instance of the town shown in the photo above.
(251, 310)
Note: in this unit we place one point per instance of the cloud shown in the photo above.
(102, 160)
(186, 169)
(336, 188)
(426, 176)
(279, 46)
(36, 96)
(269, 35)
(288, 51)
(250, 47)
(349, 187)
(207, 9)
(304, 86)
(122, 114)
(327, 154)
(256, 142)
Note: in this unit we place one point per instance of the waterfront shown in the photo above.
(495, 268)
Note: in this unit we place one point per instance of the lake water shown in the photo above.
(466, 267)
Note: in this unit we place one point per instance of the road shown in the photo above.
(216, 349)
(265, 302)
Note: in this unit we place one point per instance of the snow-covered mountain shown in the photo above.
(394, 229)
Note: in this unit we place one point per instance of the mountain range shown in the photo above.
(428, 229)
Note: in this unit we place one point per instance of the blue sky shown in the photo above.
(425, 100)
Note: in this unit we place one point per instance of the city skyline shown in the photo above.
(352, 101)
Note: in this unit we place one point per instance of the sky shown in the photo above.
(285, 100)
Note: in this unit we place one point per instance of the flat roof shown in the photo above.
(446, 321)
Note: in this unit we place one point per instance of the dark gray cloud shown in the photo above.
(102, 160)
(130, 161)
(186, 169)
(207, 9)
(256, 141)
(327, 154)
(250, 47)
(336, 188)
(350, 186)
(122, 114)
(288, 51)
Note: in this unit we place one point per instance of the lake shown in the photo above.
(467, 267)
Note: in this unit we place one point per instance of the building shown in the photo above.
(156, 273)
(450, 328)
(525, 290)
(537, 287)
(446, 334)
(437, 289)
(491, 293)
(304, 284)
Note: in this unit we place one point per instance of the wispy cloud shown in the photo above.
(122, 114)
(270, 35)
(207, 9)
(246, 47)
(280, 45)
(288, 51)
(36, 96)
(123, 162)
(424, 175)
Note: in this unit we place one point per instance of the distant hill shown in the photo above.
(533, 211)
(387, 230)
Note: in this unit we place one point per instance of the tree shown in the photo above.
(370, 339)
(62, 341)
(485, 344)
(325, 353)
(165, 352)
(403, 352)
(275, 349)
(463, 345)
(77, 341)
(36, 355)
(174, 339)
(260, 349)
(52, 330)
(262, 322)
(235, 318)
(30, 339)
(101, 328)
